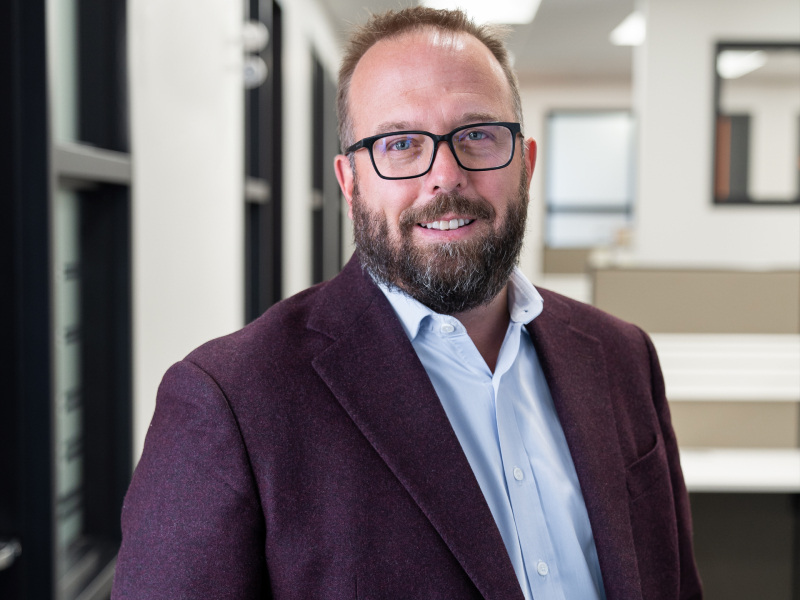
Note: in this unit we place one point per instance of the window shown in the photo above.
(66, 311)
(757, 124)
(263, 166)
(589, 178)
(324, 144)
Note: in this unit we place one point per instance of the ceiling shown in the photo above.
(567, 41)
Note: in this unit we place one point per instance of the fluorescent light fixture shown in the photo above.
(735, 63)
(631, 32)
(512, 12)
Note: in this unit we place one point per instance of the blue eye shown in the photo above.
(476, 135)
(399, 144)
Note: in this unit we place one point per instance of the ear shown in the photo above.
(345, 177)
(530, 157)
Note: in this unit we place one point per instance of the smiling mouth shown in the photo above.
(446, 225)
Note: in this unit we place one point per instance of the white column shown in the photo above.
(186, 103)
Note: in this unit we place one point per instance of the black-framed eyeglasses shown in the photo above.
(409, 154)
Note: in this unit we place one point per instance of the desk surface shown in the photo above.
(741, 470)
(746, 367)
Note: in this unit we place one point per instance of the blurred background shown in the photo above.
(167, 176)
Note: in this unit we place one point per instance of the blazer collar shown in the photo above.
(373, 371)
(574, 367)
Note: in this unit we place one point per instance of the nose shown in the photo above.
(445, 174)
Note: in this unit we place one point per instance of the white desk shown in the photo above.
(741, 470)
(729, 367)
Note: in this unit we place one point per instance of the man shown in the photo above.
(425, 425)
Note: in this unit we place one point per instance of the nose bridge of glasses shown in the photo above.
(447, 140)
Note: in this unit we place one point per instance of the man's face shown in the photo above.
(435, 82)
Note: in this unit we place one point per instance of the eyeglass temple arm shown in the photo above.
(357, 146)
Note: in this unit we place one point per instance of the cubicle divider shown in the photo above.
(729, 346)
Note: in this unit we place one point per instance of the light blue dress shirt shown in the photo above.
(508, 428)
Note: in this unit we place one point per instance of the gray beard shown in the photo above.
(450, 277)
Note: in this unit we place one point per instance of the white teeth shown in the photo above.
(447, 225)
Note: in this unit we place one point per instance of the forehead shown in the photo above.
(427, 79)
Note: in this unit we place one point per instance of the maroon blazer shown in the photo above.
(307, 456)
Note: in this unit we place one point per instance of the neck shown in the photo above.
(487, 325)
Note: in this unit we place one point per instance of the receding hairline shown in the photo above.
(425, 29)
(392, 26)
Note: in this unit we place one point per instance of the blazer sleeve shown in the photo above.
(192, 526)
(690, 585)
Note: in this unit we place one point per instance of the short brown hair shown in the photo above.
(391, 24)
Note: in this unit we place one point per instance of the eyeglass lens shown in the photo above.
(409, 154)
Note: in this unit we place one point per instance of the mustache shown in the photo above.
(472, 208)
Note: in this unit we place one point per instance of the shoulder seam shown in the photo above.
(235, 420)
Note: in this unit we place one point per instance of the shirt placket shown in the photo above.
(534, 538)
(466, 354)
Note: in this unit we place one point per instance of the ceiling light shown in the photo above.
(735, 63)
(631, 32)
(496, 11)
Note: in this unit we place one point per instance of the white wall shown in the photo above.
(673, 91)
(186, 102)
(187, 126)
(306, 29)
(538, 100)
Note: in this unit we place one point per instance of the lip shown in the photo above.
(449, 216)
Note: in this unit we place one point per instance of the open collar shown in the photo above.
(524, 304)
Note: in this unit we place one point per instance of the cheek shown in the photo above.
(390, 198)
(496, 189)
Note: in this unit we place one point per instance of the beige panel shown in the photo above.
(673, 301)
(566, 260)
(736, 424)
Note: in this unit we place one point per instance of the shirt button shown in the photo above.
(518, 475)
(447, 328)
(542, 568)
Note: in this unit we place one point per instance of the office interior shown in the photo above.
(167, 173)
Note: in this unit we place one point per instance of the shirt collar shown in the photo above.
(524, 304)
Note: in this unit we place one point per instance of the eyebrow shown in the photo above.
(389, 126)
(466, 119)
(479, 118)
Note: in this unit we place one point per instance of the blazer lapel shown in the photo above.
(574, 368)
(373, 371)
